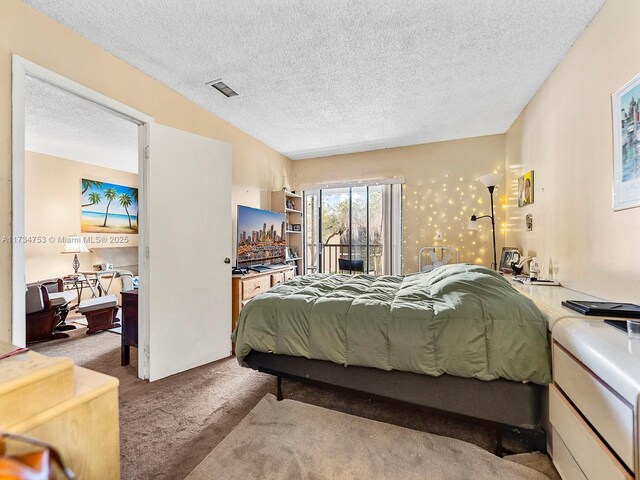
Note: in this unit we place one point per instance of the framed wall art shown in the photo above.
(626, 145)
(525, 189)
(108, 208)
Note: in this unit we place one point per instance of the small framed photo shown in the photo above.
(509, 254)
(626, 145)
(296, 227)
(529, 222)
(525, 189)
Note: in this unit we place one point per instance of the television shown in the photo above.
(261, 237)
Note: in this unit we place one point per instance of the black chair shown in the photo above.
(350, 266)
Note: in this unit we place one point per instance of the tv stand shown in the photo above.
(245, 287)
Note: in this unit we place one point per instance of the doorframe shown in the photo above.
(21, 69)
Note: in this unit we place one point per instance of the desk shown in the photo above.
(94, 280)
(129, 324)
(549, 300)
(595, 377)
(78, 283)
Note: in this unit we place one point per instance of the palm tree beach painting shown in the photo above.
(108, 208)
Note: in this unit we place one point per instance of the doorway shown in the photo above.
(81, 215)
(184, 239)
(354, 229)
(27, 79)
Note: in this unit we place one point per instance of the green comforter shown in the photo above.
(462, 320)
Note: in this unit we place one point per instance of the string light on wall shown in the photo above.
(442, 201)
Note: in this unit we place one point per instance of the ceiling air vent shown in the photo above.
(223, 88)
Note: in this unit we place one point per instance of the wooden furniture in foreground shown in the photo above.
(245, 287)
(129, 324)
(72, 408)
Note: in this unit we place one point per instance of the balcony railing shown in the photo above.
(331, 253)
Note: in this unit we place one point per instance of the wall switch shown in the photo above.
(529, 222)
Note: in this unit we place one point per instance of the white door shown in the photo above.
(189, 237)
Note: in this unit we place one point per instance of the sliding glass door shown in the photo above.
(353, 229)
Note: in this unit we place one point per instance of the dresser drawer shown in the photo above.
(254, 286)
(563, 460)
(611, 416)
(277, 279)
(288, 275)
(583, 444)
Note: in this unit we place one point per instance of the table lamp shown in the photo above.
(75, 244)
(491, 181)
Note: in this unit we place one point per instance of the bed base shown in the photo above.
(513, 407)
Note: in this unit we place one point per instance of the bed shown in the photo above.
(458, 339)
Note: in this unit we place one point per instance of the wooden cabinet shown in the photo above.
(72, 408)
(254, 285)
(129, 324)
(85, 428)
(245, 287)
(277, 279)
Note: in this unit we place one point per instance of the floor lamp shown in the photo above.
(490, 181)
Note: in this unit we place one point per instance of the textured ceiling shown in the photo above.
(333, 76)
(65, 125)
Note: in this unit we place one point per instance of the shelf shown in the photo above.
(290, 210)
(292, 195)
(293, 259)
(293, 231)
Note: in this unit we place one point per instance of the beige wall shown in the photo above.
(565, 136)
(441, 190)
(52, 209)
(24, 31)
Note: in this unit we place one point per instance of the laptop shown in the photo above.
(604, 309)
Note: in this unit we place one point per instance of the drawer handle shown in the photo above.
(257, 286)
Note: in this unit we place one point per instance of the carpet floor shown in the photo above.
(169, 426)
(288, 439)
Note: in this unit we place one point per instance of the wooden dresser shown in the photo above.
(245, 287)
(69, 407)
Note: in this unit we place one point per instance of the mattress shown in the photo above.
(461, 320)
